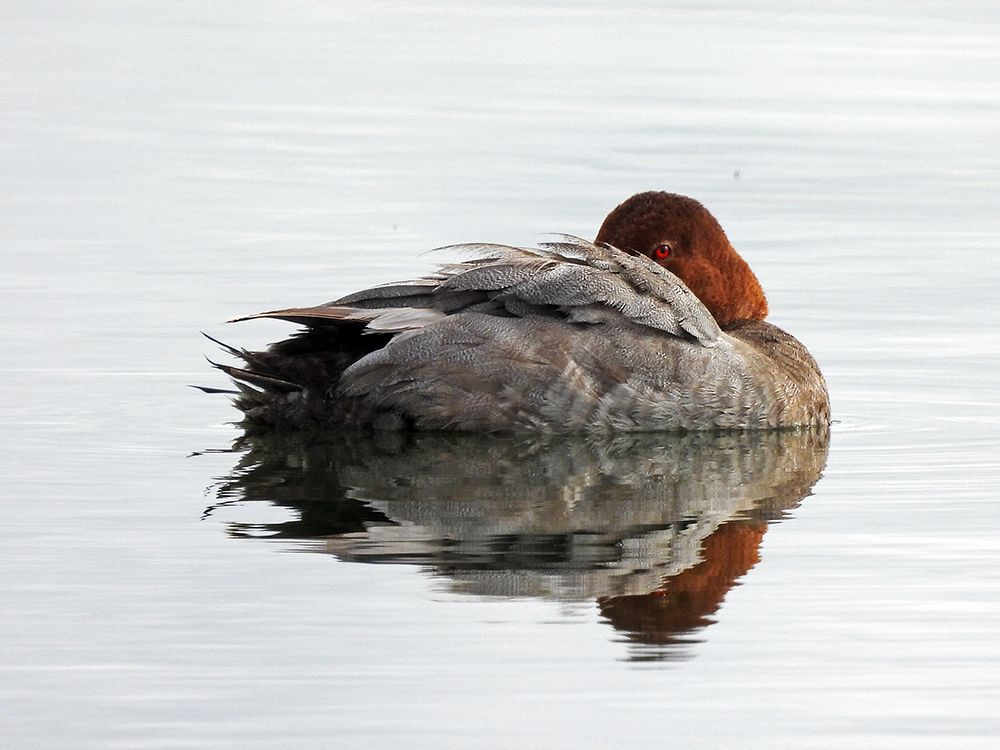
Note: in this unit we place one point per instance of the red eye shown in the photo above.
(661, 252)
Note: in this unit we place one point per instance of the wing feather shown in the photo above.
(585, 282)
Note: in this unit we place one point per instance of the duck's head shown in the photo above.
(682, 236)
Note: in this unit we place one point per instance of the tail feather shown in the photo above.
(240, 353)
(213, 391)
(241, 375)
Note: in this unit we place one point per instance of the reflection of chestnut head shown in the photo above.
(686, 600)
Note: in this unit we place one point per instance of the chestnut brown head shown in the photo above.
(682, 236)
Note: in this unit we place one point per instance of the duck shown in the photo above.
(656, 325)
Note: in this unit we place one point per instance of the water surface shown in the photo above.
(166, 167)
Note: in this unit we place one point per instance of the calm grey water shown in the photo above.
(167, 166)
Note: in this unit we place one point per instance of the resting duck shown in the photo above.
(656, 325)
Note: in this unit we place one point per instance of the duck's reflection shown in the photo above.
(656, 528)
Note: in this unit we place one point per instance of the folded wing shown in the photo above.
(573, 279)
